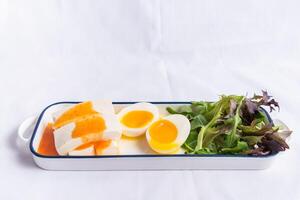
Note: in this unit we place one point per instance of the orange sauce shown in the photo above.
(93, 124)
(84, 146)
(47, 146)
(98, 146)
(79, 110)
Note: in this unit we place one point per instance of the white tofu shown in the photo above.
(89, 151)
(100, 106)
(65, 143)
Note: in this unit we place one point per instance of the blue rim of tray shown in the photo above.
(140, 155)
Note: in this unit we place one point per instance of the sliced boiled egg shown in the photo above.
(102, 147)
(136, 118)
(88, 128)
(166, 135)
(72, 113)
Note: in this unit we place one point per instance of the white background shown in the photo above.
(59, 50)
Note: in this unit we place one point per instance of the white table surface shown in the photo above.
(146, 50)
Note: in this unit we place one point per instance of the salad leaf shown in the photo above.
(252, 140)
(251, 107)
(198, 121)
(240, 147)
(232, 138)
(233, 125)
(208, 128)
(191, 141)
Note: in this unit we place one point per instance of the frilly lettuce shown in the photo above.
(232, 125)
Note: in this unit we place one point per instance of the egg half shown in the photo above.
(135, 119)
(167, 134)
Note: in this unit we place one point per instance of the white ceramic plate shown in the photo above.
(134, 156)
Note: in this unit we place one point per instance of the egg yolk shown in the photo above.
(137, 118)
(79, 110)
(163, 131)
(92, 125)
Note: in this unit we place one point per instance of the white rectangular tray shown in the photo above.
(132, 161)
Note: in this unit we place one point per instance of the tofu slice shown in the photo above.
(89, 151)
(87, 129)
(103, 147)
(111, 149)
(72, 113)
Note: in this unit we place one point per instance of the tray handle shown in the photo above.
(25, 132)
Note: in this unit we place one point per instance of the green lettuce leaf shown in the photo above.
(234, 124)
